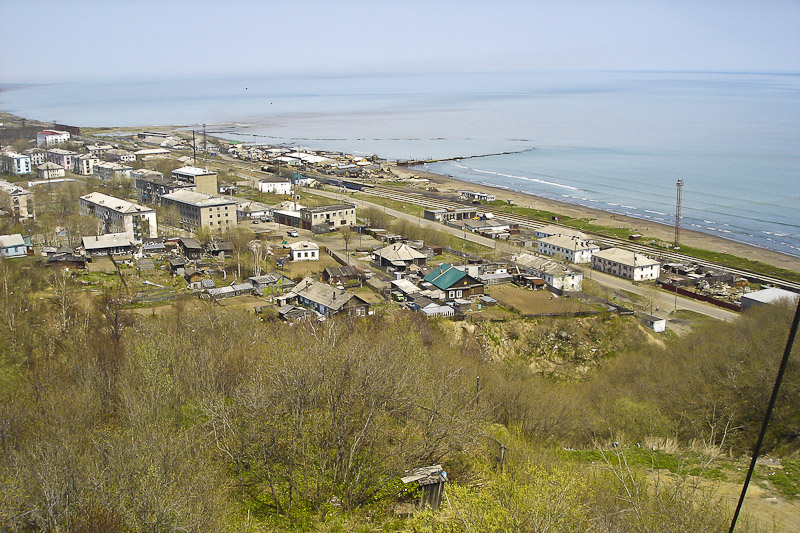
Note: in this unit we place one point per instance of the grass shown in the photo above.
(410, 208)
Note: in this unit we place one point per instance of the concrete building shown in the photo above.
(275, 185)
(108, 171)
(204, 180)
(480, 196)
(772, 295)
(556, 275)
(199, 210)
(48, 138)
(36, 155)
(304, 251)
(13, 246)
(17, 201)
(120, 216)
(151, 186)
(333, 216)
(626, 264)
(451, 213)
(83, 164)
(98, 149)
(120, 155)
(48, 171)
(60, 157)
(573, 249)
(550, 230)
(14, 163)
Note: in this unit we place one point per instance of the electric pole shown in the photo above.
(678, 213)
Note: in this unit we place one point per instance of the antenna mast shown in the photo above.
(205, 144)
(194, 149)
(678, 212)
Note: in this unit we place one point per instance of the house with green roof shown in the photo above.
(454, 282)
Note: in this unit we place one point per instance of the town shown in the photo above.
(296, 234)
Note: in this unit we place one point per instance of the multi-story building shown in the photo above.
(37, 156)
(334, 216)
(60, 157)
(626, 264)
(199, 210)
(151, 186)
(98, 149)
(120, 216)
(120, 155)
(107, 171)
(17, 201)
(558, 276)
(204, 180)
(14, 163)
(573, 249)
(48, 138)
(83, 164)
(275, 185)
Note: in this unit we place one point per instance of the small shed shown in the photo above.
(430, 480)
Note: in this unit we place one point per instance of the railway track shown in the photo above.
(525, 222)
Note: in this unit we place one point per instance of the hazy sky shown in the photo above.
(116, 39)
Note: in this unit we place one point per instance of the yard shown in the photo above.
(529, 302)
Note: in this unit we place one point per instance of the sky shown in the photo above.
(121, 39)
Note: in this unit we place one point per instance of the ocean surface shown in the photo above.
(617, 141)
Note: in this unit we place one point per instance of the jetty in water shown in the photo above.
(413, 162)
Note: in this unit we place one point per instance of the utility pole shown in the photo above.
(205, 143)
(678, 213)
(194, 149)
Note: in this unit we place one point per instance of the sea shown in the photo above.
(617, 141)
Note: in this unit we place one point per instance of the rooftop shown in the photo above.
(326, 208)
(399, 252)
(7, 241)
(552, 229)
(110, 240)
(304, 245)
(12, 188)
(192, 171)
(323, 294)
(197, 199)
(626, 257)
(115, 204)
(569, 242)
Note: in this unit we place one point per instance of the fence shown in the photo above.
(702, 297)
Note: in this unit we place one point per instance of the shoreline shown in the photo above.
(657, 230)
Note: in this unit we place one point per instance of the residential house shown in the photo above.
(13, 246)
(430, 308)
(204, 180)
(17, 201)
(14, 163)
(328, 300)
(120, 216)
(191, 248)
(272, 283)
(399, 256)
(570, 248)
(48, 171)
(626, 264)
(342, 274)
(48, 138)
(491, 227)
(200, 210)
(304, 251)
(557, 275)
(108, 171)
(454, 282)
(110, 243)
(253, 210)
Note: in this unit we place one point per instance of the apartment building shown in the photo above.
(60, 157)
(17, 201)
(204, 180)
(626, 264)
(48, 138)
(83, 164)
(120, 216)
(199, 210)
(14, 163)
(107, 171)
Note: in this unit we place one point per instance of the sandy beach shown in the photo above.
(647, 228)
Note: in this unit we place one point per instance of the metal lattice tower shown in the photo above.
(678, 212)
(205, 143)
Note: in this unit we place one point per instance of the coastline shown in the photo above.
(665, 232)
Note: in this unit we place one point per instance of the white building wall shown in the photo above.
(275, 187)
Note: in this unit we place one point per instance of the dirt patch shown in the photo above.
(529, 302)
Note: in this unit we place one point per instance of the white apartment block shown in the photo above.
(60, 157)
(120, 155)
(14, 163)
(107, 171)
(84, 164)
(36, 155)
(120, 216)
(626, 264)
(572, 249)
(275, 185)
(199, 210)
(48, 138)
(552, 272)
(17, 201)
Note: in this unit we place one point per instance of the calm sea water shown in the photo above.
(616, 141)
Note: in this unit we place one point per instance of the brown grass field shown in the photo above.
(530, 302)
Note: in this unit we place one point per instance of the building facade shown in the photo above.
(572, 249)
(275, 185)
(48, 138)
(204, 180)
(60, 157)
(333, 216)
(83, 164)
(36, 155)
(17, 201)
(151, 186)
(199, 210)
(120, 216)
(626, 264)
(48, 171)
(14, 163)
(109, 171)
